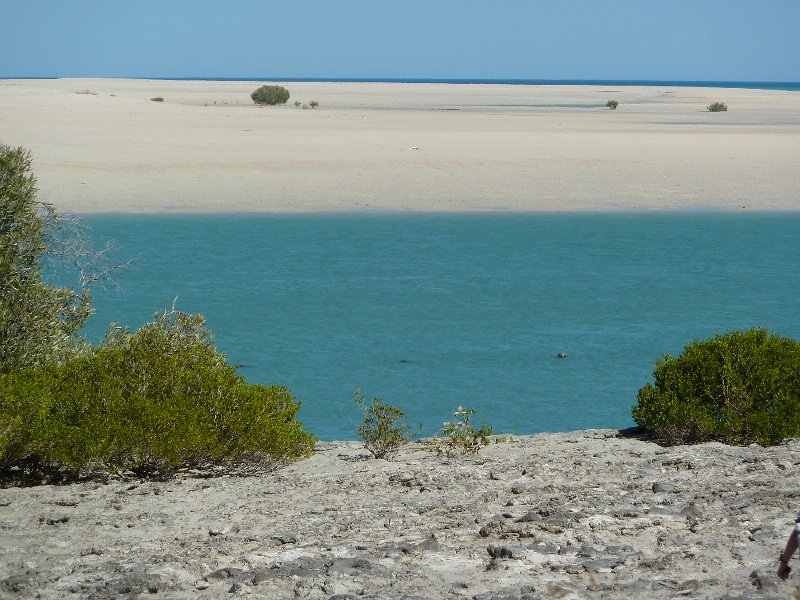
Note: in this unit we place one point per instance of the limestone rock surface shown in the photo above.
(585, 514)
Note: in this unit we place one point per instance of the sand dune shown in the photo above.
(101, 145)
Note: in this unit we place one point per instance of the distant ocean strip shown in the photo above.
(752, 85)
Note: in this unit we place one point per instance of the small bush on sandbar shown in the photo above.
(738, 388)
(157, 99)
(150, 401)
(717, 107)
(270, 95)
(612, 104)
(382, 431)
(313, 104)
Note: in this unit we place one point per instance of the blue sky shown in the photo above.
(720, 40)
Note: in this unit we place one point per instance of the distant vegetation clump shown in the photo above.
(612, 104)
(717, 107)
(157, 99)
(150, 401)
(270, 95)
(313, 104)
(738, 388)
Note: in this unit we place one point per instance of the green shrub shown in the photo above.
(313, 104)
(382, 430)
(738, 388)
(151, 401)
(38, 321)
(270, 94)
(459, 436)
(157, 99)
(612, 104)
(717, 107)
(297, 103)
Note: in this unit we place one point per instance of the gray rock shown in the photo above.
(662, 488)
(506, 551)
(603, 565)
(352, 566)
(526, 592)
(286, 538)
(224, 573)
(530, 517)
(765, 580)
(543, 548)
(135, 583)
(691, 512)
(54, 519)
(429, 544)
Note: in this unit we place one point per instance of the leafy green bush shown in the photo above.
(313, 104)
(739, 388)
(270, 94)
(38, 321)
(150, 401)
(612, 104)
(382, 430)
(459, 436)
(157, 99)
(717, 107)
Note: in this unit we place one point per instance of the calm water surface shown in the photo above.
(433, 311)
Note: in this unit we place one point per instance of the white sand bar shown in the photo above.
(102, 145)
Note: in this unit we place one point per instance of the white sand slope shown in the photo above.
(420, 147)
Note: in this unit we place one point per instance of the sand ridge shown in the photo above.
(101, 145)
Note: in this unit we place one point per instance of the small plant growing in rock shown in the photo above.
(612, 104)
(459, 436)
(157, 99)
(717, 107)
(313, 104)
(382, 431)
(270, 95)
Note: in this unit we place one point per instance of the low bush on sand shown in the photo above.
(738, 388)
(270, 95)
(717, 107)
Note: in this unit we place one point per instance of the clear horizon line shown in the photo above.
(466, 80)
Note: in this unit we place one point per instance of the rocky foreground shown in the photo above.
(587, 514)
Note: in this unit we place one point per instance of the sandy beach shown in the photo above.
(102, 145)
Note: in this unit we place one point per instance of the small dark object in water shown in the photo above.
(561, 355)
(404, 361)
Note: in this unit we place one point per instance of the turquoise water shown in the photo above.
(433, 311)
